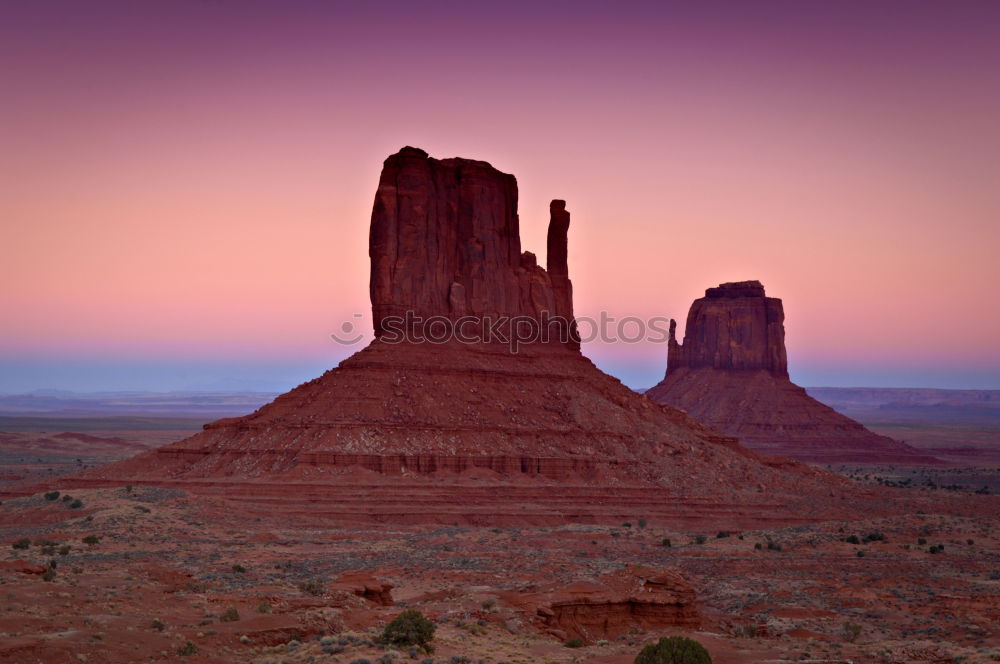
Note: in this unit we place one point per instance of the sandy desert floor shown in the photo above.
(139, 574)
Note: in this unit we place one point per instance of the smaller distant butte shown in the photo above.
(731, 373)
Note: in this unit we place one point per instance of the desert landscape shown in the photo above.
(499, 333)
(531, 507)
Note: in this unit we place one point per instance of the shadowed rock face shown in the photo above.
(732, 374)
(445, 242)
(735, 326)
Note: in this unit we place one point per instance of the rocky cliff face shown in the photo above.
(445, 243)
(732, 374)
(734, 327)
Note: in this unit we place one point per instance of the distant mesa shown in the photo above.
(731, 373)
(469, 431)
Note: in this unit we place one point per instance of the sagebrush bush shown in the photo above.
(674, 650)
(313, 587)
(409, 628)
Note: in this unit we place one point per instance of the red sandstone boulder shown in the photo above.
(366, 586)
(632, 598)
(22, 566)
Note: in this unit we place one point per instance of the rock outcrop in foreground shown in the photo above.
(732, 373)
(467, 430)
(612, 605)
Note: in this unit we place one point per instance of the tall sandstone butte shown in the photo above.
(734, 327)
(445, 242)
(473, 432)
(731, 373)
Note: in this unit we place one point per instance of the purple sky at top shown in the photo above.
(187, 185)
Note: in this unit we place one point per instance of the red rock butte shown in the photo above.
(731, 373)
(471, 432)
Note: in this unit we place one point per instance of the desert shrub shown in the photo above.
(128, 488)
(409, 628)
(851, 631)
(91, 540)
(700, 539)
(674, 650)
(49, 575)
(263, 606)
(362, 660)
(969, 542)
(67, 498)
(749, 631)
(230, 615)
(757, 546)
(666, 542)
(627, 524)
(853, 539)
(488, 604)
(721, 534)
(861, 554)
(642, 523)
(52, 495)
(937, 548)
(76, 504)
(773, 546)
(875, 537)
(158, 625)
(312, 587)
(575, 642)
(64, 550)
(239, 569)
(22, 543)
(921, 541)
(187, 650)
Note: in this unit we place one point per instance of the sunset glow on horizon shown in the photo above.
(189, 184)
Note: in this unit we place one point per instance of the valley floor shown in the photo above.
(139, 574)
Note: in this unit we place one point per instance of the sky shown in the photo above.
(186, 186)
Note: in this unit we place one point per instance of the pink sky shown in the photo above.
(192, 181)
